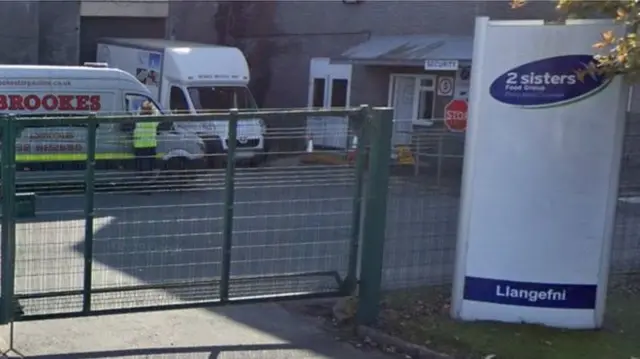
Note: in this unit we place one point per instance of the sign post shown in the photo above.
(456, 113)
(463, 76)
(540, 180)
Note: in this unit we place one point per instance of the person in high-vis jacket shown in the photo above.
(145, 142)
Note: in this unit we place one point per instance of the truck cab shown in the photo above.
(194, 78)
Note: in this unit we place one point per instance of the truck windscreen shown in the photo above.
(208, 98)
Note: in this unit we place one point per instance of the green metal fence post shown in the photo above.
(228, 206)
(350, 281)
(380, 128)
(89, 214)
(8, 240)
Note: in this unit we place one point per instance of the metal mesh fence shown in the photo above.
(160, 241)
(626, 244)
(422, 208)
(424, 200)
(293, 218)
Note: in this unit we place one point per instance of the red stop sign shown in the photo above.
(455, 115)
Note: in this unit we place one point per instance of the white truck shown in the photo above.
(60, 91)
(188, 77)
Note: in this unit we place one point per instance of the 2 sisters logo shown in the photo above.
(550, 82)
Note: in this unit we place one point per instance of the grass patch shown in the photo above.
(421, 316)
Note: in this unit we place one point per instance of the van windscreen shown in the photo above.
(212, 98)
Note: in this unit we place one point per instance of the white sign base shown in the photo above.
(542, 161)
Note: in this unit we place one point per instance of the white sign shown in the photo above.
(463, 80)
(441, 65)
(445, 86)
(542, 161)
(463, 75)
(462, 92)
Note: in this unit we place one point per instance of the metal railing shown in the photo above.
(232, 233)
(117, 239)
(422, 216)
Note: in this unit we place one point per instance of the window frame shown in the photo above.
(168, 125)
(346, 92)
(416, 95)
(126, 94)
(185, 97)
(252, 100)
(319, 92)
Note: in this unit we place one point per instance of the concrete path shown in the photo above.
(253, 331)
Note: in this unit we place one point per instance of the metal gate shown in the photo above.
(94, 242)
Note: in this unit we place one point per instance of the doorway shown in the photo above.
(329, 87)
(413, 100)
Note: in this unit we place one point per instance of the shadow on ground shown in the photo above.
(170, 244)
(214, 351)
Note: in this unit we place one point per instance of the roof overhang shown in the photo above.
(409, 50)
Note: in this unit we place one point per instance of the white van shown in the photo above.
(55, 91)
(193, 78)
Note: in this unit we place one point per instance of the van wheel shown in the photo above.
(177, 171)
(261, 158)
(258, 160)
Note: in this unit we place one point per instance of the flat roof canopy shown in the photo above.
(409, 50)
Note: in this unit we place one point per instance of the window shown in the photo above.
(134, 102)
(221, 98)
(413, 99)
(177, 101)
(425, 105)
(318, 92)
(339, 89)
(426, 82)
(133, 106)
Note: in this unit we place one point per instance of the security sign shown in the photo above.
(455, 115)
(445, 86)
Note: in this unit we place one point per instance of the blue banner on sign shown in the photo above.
(550, 82)
(543, 295)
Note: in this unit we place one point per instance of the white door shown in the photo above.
(412, 98)
(402, 101)
(329, 87)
